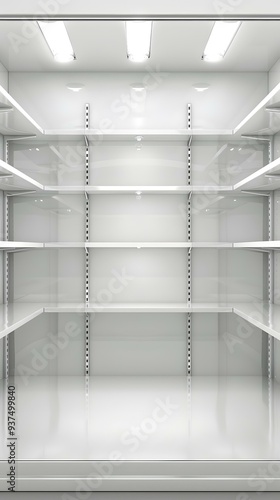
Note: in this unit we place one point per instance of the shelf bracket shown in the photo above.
(256, 193)
(273, 109)
(21, 193)
(264, 138)
(6, 109)
(18, 137)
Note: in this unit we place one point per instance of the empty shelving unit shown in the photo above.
(140, 238)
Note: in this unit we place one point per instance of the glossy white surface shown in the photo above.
(146, 244)
(5, 245)
(138, 308)
(263, 315)
(145, 418)
(24, 123)
(13, 316)
(64, 244)
(257, 244)
(143, 189)
(18, 121)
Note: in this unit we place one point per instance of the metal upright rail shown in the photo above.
(87, 322)
(189, 236)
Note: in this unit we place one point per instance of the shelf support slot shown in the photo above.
(189, 237)
(87, 263)
(270, 274)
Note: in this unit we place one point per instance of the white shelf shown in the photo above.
(138, 308)
(64, 244)
(211, 244)
(262, 315)
(97, 136)
(6, 245)
(134, 189)
(15, 315)
(138, 245)
(258, 244)
(16, 121)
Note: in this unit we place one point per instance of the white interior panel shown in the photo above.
(138, 344)
(137, 275)
(163, 203)
(49, 275)
(112, 107)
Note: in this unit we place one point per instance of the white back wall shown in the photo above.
(114, 104)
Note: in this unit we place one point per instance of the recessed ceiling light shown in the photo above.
(57, 38)
(138, 40)
(75, 87)
(37, 149)
(138, 86)
(139, 138)
(201, 87)
(222, 34)
(231, 149)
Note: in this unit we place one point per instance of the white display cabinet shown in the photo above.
(140, 316)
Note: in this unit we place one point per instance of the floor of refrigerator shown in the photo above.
(142, 433)
(144, 418)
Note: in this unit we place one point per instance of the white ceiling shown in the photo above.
(176, 46)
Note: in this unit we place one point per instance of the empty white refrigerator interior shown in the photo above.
(140, 258)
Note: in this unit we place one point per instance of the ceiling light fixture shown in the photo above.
(138, 40)
(138, 86)
(201, 87)
(75, 87)
(57, 38)
(222, 34)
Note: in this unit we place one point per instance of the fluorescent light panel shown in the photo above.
(138, 40)
(57, 38)
(222, 34)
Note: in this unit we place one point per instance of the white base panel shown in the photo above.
(144, 433)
